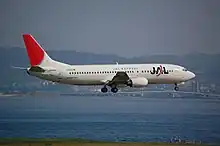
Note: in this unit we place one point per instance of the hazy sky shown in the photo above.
(123, 27)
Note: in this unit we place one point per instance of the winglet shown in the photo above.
(34, 50)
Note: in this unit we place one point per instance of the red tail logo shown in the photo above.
(34, 50)
(161, 70)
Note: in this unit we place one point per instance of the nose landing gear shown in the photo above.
(176, 88)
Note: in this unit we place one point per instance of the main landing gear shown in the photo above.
(176, 88)
(104, 89)
(114, 89)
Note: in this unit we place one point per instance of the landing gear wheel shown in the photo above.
(114, 90)
(176, 88)
(104, 90)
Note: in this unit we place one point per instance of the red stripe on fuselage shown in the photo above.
(161, 70)
(34, 50)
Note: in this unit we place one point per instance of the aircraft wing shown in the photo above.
(119, 78)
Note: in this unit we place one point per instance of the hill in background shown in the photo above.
(206, 67)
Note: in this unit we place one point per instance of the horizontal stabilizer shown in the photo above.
(20, 68)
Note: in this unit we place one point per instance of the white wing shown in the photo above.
(119, 78)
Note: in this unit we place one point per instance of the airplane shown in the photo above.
(108, 75)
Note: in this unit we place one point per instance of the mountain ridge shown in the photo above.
(206, 65)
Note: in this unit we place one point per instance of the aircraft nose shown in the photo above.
(191, 75)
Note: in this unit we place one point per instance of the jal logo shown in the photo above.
(159, 70)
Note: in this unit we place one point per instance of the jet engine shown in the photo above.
(137, 82)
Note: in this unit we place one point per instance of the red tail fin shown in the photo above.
(34, 50)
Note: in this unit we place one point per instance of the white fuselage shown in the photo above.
(100, 74)
(113, 75)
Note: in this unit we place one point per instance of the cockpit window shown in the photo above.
(184, 69)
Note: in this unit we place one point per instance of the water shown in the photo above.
(151, 118)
